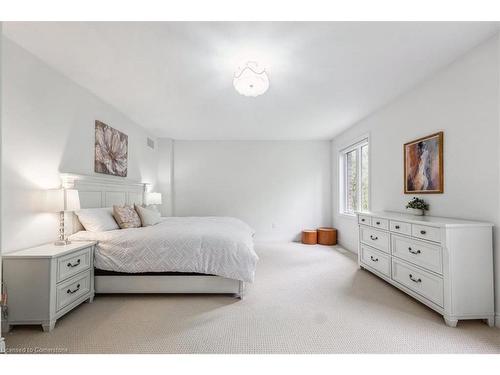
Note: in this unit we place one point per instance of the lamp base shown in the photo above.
(62, 243)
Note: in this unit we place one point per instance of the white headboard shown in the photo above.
(102, 191)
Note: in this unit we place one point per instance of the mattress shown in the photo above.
(220, 246)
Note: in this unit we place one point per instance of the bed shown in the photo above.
(177, 255)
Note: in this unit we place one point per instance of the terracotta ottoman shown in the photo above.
(309, 237)
(327, 236)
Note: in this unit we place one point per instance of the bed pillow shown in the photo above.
(148, 216)
(97, 219)
(153, 207)
(126, 217)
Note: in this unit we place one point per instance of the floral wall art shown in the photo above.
(111, 150)
(423, 165)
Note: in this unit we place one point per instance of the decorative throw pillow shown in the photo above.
(126, 217)
(148, 216)
(97, 219)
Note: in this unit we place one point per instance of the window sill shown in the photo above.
(347, 216)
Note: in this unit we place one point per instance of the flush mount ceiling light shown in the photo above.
(251, 80)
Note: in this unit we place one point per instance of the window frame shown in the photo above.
(357, 145)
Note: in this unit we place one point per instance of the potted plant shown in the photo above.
(417, 206)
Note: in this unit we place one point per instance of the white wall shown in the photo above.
(2, 344)
(277, 187)
(48, 127)
(463, 101)
(165, 174)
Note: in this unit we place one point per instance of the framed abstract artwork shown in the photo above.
(111, 150)
(423, 165)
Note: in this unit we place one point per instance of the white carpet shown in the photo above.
(306, 299)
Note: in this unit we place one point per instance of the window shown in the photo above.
(354, 178)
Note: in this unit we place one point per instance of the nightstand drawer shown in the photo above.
(72, 264)
(72, 289)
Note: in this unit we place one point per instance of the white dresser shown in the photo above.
(447, 264)
(43, 283)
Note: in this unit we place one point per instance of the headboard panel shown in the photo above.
(99, 192)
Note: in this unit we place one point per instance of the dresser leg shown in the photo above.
(490, 321)
(91, 299)
(450, 322)
(49, 327)
(2, 345)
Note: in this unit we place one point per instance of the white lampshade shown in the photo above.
(54, 200)
(58, 200)
(153, 198)
(251, 80)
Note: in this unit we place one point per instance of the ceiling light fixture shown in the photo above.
(251, 80)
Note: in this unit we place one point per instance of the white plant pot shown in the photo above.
(415, 211)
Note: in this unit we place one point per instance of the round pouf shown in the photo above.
(309, 237)
(327, 236)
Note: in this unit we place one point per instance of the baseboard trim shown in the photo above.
(347, 248)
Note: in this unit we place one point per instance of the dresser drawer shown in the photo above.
(376, 260)
(73, 263)
(364, 219)
(400, 227)
(71, 290)
(426, 232)
(380, 223)
(424, 283)
(375, 238)
(418, 252)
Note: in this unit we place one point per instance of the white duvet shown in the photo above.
(221, 246)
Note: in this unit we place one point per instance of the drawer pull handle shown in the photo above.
(419, 280)
(374, 238)
(69, 291)
(378, 223)
(423, 232)
(413, 251)
(397, 227)
(363, 220)
(373, 259)
(71, 265)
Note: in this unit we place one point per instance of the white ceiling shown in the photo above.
(175, 78)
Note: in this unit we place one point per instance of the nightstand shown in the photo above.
(45, 282)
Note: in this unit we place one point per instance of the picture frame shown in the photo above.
(111, 150)
(423, 165)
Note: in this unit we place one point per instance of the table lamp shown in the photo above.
(61, 201)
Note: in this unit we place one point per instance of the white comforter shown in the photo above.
(220, 246)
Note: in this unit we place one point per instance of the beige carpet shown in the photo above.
(306, 299)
